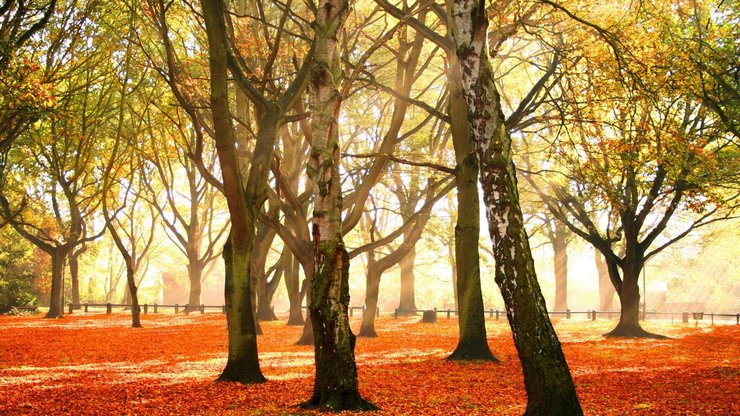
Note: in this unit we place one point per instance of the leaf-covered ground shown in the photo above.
(97, 364)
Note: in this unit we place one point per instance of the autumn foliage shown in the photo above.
(99, 365)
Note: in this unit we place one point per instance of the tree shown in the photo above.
(23, 96)
(335, 385)
(411, 231)
(642, 151)
(472, 344)
(16, 263)
(190, 215)
(244, 196)
(549, 386)
(51, 190)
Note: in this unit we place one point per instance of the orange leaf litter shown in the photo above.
(97, 364)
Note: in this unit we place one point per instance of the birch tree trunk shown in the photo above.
(335, 385)
(550, 389)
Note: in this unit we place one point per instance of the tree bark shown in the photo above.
(606, 289)
(262, 295)
(560, 264)
(267, 288)
(74, 275)
(56, 308)
(133, 291)
(407, 299)
(629, 300)
(244, 204)
(335, 385)
(472, 342)
(242, 364)
(372, 290)
(292, 284)
(195, 272)
(549, 386)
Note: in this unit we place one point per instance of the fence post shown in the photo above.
(395, 314)
(146, 308)
(177, 308)
(593, 315)
(685, 317)
(202, 308)
(711, 315)
(108, 308)
(497, 314)
(448, 314)
(70, 309)
(737, 319)
(567, 314)
(155, 308)
(86, 305)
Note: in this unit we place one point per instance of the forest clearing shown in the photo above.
(544, 180)
(97, 364)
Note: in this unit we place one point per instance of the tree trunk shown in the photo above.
(195, 272)
(242, 364)
(244, 201)
(133, 292)
(629, 300)
(267, 288)
(264, 306)
(372, 290)
(472, 343)
(606, 289)
(126, 298)
(560, 263)
(335, 385)
(407, 299)
(453, 266)
(307, 336)
(549, 386)
(261, 300)
(292, 284)
(56, 308)
(74, 276)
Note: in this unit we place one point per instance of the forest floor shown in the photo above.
(97, 364)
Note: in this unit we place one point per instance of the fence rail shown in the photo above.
(589, 314)
(146, 307)
(490, 313)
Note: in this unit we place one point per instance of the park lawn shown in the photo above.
(97, 364)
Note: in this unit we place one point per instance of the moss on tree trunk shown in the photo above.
(335, 386)
(242, 364)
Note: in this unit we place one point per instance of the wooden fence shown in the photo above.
(449, 313)
(592, 314)
(145, 308)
